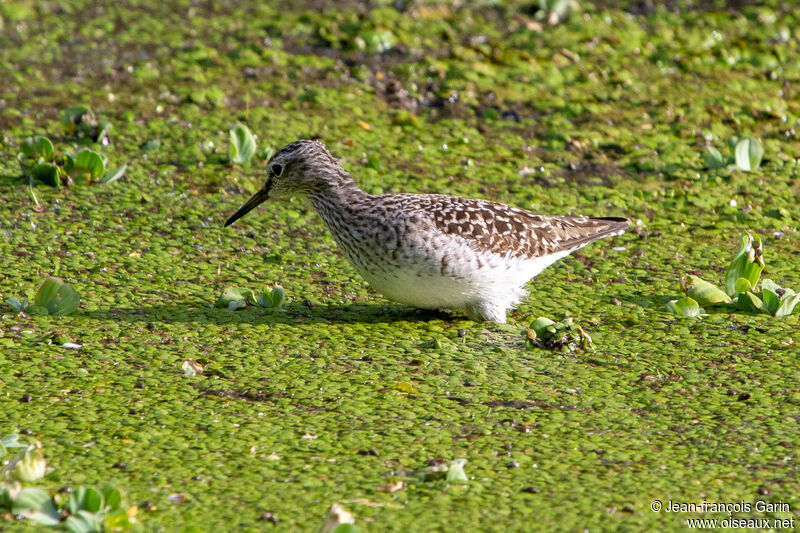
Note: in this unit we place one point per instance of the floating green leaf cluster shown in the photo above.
(234, 298)
(40, 161)
(564, 336)
(746, 153)
(83, 510)
(54, 297)
(740, 291)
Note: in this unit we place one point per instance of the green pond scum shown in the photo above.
(338, 395)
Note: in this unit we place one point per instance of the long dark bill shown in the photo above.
(257, 198)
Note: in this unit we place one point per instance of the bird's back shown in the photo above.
(492, 227)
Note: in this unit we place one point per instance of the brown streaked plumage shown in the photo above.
(429, 250)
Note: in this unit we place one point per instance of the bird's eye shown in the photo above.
(276, 170)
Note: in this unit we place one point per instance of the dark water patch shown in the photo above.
(249, 395)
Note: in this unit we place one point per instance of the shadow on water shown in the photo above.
(296, 314)
(657, 301)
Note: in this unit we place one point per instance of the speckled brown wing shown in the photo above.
(503, 229)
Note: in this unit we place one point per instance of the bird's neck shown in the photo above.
(342, 208)
(338, 192)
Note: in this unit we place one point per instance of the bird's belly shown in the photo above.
(453, 288)
(421, 289)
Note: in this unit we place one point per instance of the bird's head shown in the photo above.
(300, 168)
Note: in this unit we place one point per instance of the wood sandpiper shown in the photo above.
(431, 251)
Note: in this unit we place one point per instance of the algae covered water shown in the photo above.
(339, 396)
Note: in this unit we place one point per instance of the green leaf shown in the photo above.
(236, 298)
(6, 496)
(767, 283)
(705, 293)
(46, 149)
(747, 263)
(714, 159)
(85, 499)
(111, 496)
(685, 307)
(733, 268)
(47, 173)
(92, 500)
(747, 301)
(264, 298)
(17, 305)
(243, 144)
(271, 299)
(69, 163)
(742, 285)
(732, 142)
(278, 296)
(748, 154)
(540, 325)
(89, 162)
(788, 303)
(28, 148)
(36, 505)
(84, 522)
(37, 147)
(57, 297)
(12, 441)
(456, 473)
(114, 175)
(771, 300)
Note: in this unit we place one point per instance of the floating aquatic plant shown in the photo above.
(243, 145)
(746, 153)
(741, 293)
(564, 336)
(41, 161)
(53, 297)
(234, 298)
(83, 510)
